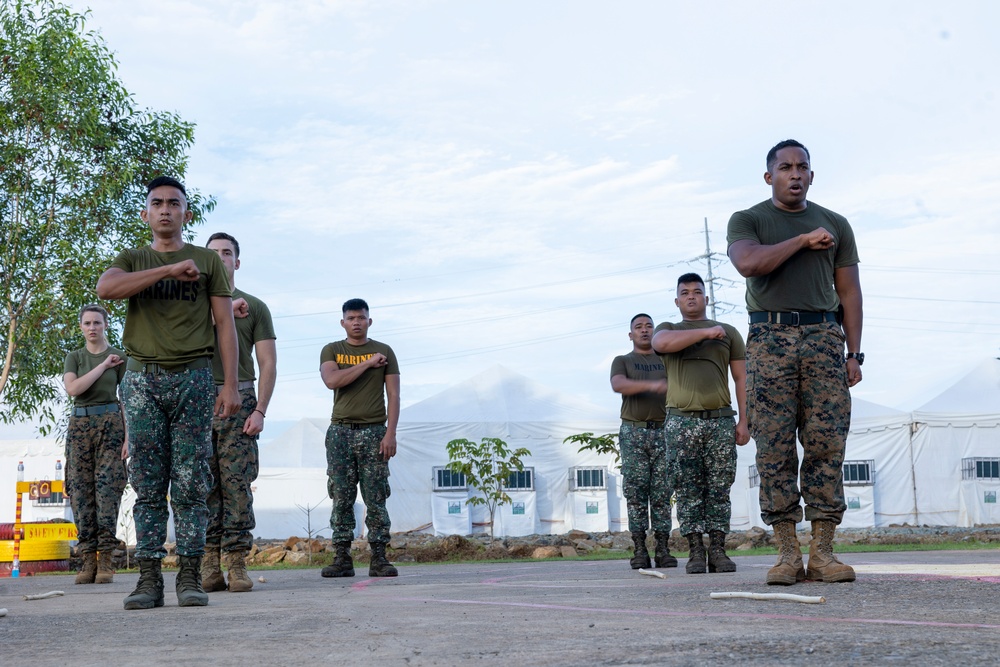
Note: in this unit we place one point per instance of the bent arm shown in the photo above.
(77, 385)
(335, 377)
(675, 340)
(753, 259)
(116, 283)
(627, 387)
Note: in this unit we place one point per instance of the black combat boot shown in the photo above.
(696, 554)
(342, 565)
(380, 565)
(188, 583)
(662, 553)
(718, 561)
(641, 556)
(149, 592)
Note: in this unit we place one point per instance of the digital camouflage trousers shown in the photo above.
(234, 466)
(645, 485)
(353, 459)
(169, 418)
(701, 458)
(95, 478)
(797, 385)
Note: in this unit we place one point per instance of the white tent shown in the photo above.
(956, 451)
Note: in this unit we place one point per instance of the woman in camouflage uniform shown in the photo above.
(95, 445)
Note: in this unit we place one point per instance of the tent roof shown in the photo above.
(866, 415)
(499, 395)
(974, 399)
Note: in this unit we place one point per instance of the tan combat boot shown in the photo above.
(239, 580)
(105, 568)
(211, 573)
(788, 569)
(88, 571)
(823, 565)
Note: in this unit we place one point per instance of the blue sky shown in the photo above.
(508, 183)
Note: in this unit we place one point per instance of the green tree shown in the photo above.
(75, 151)
(600, 444)
(487, 466)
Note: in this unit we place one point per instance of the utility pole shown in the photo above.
(710, 282)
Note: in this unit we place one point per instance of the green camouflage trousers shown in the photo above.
(701, 458)
(645, 485)
(352, 457)
(95, 478)
(169, 418)
(234, 468)
(797, 383)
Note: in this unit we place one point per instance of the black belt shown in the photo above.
(355, 427)
(156, 369)
(649, 424)
(794, 318)
(92, 410)
(702, 414)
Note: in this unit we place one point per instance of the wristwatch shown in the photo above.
(860, 356)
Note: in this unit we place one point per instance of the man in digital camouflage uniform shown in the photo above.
(364, 375)
(804, 299)
(234, 440)
(701, 434)
(174, 290)
(640, 378)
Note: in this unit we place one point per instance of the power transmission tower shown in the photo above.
(710, 280)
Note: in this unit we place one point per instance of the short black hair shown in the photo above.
(355, 304)
(225, 237)
(772, 154)
(637, 317)
(165, 180)
(690, 278)
(94, 308)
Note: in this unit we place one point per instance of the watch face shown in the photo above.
(860, 356)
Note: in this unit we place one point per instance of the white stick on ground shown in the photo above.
(42, 596)
(652, 573)
(788, 597)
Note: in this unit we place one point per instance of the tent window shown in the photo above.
(754, 477)
(586, 478)
(977, 468)
(522, 480)
(859, 473)
(445, 480)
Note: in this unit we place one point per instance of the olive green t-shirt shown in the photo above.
(805, 281)
(699, 374)
(647, 406)
(171, 322)
(253, 328)
(362, 401)
(105, 389)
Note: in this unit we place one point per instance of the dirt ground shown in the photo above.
(925, 608)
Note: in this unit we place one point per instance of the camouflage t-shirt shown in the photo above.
(105, 389)
(699, 374)
(171, 322)
(253, 328)
(362, 401)
(647, 406)
(805, 281)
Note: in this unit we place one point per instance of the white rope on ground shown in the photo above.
(652, 573)
(42, 596)
(787, 597)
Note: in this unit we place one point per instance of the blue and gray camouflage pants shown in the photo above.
(353, 458)
(701, 457)
(645, 485)
(797, 384)
(95, 478)
(169, 419)
(234, 466)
